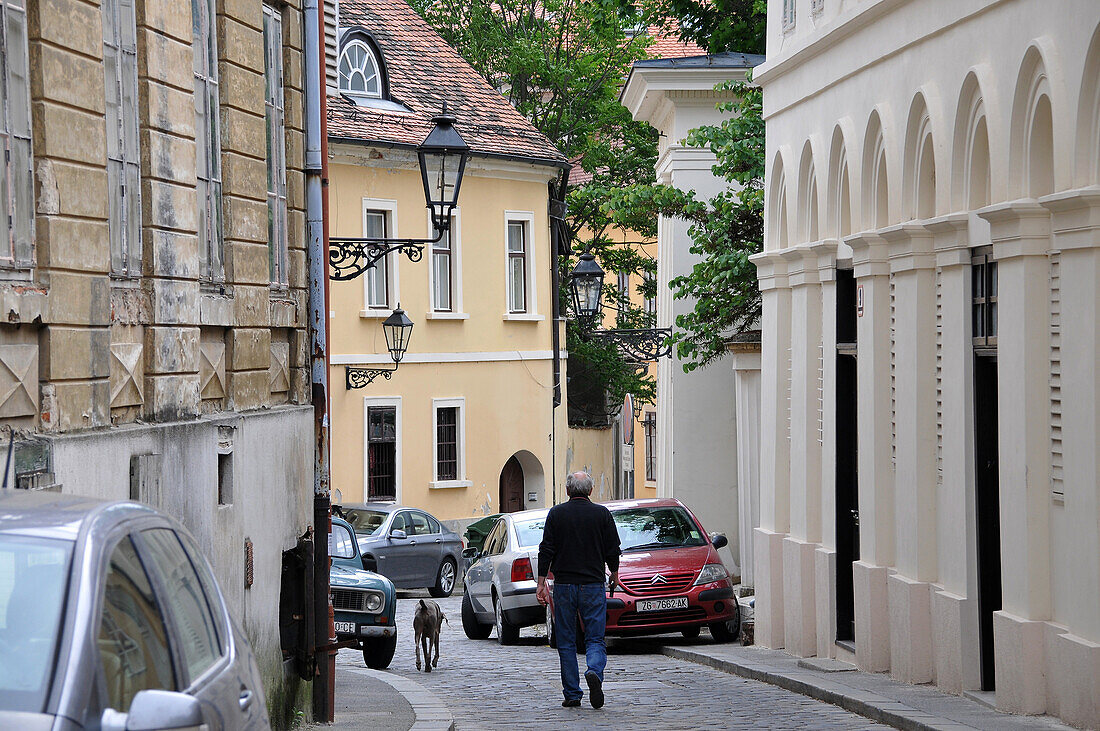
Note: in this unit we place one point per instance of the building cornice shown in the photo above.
(771, 270)
(910, 247)
(870, 254)
(647, 88)
(475, 357)
(1075, 218)
(1018, 228)
(950, 238)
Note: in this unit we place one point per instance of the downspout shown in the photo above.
(559, 246)
(317, 254)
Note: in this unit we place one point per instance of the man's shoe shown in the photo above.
(571, 703)
(595, 689)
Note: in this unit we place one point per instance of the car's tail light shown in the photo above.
(521, 570)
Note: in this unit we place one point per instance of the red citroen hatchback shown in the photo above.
(671, 577)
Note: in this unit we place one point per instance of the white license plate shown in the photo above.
(660, 605)
(345, 628)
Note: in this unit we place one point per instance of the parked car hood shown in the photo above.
(344, 576)
(689, 558)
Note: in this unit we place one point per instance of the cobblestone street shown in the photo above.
(485, 685)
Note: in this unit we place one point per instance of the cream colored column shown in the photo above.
(912, 265)
(1020, 231)
(774, 448)
(799, 609)
(1073, 643)
(825, 553)
(746, 369)
(954, 602)
(876, 473)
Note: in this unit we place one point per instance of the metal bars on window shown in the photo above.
(381, 453)
(120, 72)
(649, 425)
(275, 121)
(983, 282)
(446, 441)
(17, 247)
(208, 141)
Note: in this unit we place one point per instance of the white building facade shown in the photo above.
(929, 490)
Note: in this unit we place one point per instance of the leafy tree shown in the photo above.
(716, 25)
(561, 63)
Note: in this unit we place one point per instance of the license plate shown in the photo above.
(345, 628)
(660, 605)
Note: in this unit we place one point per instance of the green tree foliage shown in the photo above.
(562, 63)
(715, 25)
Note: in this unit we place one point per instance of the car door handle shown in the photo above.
(438, 540)
(246, 698)
(412, 543)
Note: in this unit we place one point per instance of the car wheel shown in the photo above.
(445, 579)
(378, 651)
(507, 633)
(729, 630)
(551, 637)
(474, 630)
(690, 632)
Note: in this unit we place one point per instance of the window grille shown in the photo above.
(123, 152)
(359, 70)
(443, 273)
(446, 451)
(274, 117)
(517, 266)
(208, 141)
(649, 425)
(381, 453)
(16, 195)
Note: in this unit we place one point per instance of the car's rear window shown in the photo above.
(365, 522)
(34, 574)
(657, 527)
(529, 532)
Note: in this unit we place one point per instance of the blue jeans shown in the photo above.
(590, 602)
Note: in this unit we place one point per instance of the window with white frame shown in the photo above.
(376, 225)
(17, 248)
(519, 264)
(123, 152)
(208, 144)
(443, 270)
(276, 146)
(360, 72)
(449, 443)
(788, 15)
(651, 298)
(382, 453)
(649, 425)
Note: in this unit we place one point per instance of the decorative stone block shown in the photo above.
(211, 365)
(280, 367)
(127, 374)
(18, 380)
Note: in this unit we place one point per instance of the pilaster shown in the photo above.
(746, 369)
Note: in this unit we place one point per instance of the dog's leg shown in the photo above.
(416, 643)
(425, 638)
(435, 641)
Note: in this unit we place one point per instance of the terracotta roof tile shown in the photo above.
(666, 43)
(423, 72)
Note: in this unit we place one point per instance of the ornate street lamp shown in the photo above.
(635, 345)
(398, 329)
(442, 157)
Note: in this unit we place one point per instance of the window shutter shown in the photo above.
(19, 118)
(332, 16)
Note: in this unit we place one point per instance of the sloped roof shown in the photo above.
(667, 44)
(424, 71)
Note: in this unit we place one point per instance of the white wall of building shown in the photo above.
(901, 135)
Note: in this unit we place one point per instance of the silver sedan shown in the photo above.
(500, 583)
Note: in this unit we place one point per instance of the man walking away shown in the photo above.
(579, 539)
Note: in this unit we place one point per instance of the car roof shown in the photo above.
(526, 514)
(661, 502)
(378, 507)
(57, 515)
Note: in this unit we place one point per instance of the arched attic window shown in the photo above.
(362, 72)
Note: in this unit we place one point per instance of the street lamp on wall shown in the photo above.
(442, 157)
(398, 329)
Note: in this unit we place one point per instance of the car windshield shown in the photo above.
(34, 573)
(658, 527)
(365, 522)
(529, 531)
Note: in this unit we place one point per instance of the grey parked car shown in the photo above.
(500, 584)
(112, 619)
(406, 545)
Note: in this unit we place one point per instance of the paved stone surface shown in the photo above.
(363, 701)
(487, 686)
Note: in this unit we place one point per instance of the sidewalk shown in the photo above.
(377, 700)
(874, 695)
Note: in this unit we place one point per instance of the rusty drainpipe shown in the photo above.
(317, 241)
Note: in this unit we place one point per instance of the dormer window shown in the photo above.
(360, 72)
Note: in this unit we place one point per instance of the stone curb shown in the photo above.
(431, 714)
(865, 703)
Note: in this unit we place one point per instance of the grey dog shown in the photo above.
(427, 622)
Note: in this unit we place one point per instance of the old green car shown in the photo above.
(364, 603)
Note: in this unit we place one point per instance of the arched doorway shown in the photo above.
(511, 486)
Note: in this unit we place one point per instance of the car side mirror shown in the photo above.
(155, 709)
(398, 533)
(471, 553)
(719, 540)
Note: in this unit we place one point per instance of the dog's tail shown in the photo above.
(441, 614)
(423, 605)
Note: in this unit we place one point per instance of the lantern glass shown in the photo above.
(442, 156)
(587, 285)
(398, 329)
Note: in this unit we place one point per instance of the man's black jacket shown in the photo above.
(579, 538)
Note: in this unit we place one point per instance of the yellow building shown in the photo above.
(467, 425)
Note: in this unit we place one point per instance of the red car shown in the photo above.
(671, 577)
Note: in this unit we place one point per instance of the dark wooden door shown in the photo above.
(987, 494)
(511, 486)
(847, 473)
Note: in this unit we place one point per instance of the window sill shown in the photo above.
(446, 315)
(447, 484)
(375, 314)
(651, 483)
(522, 317)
